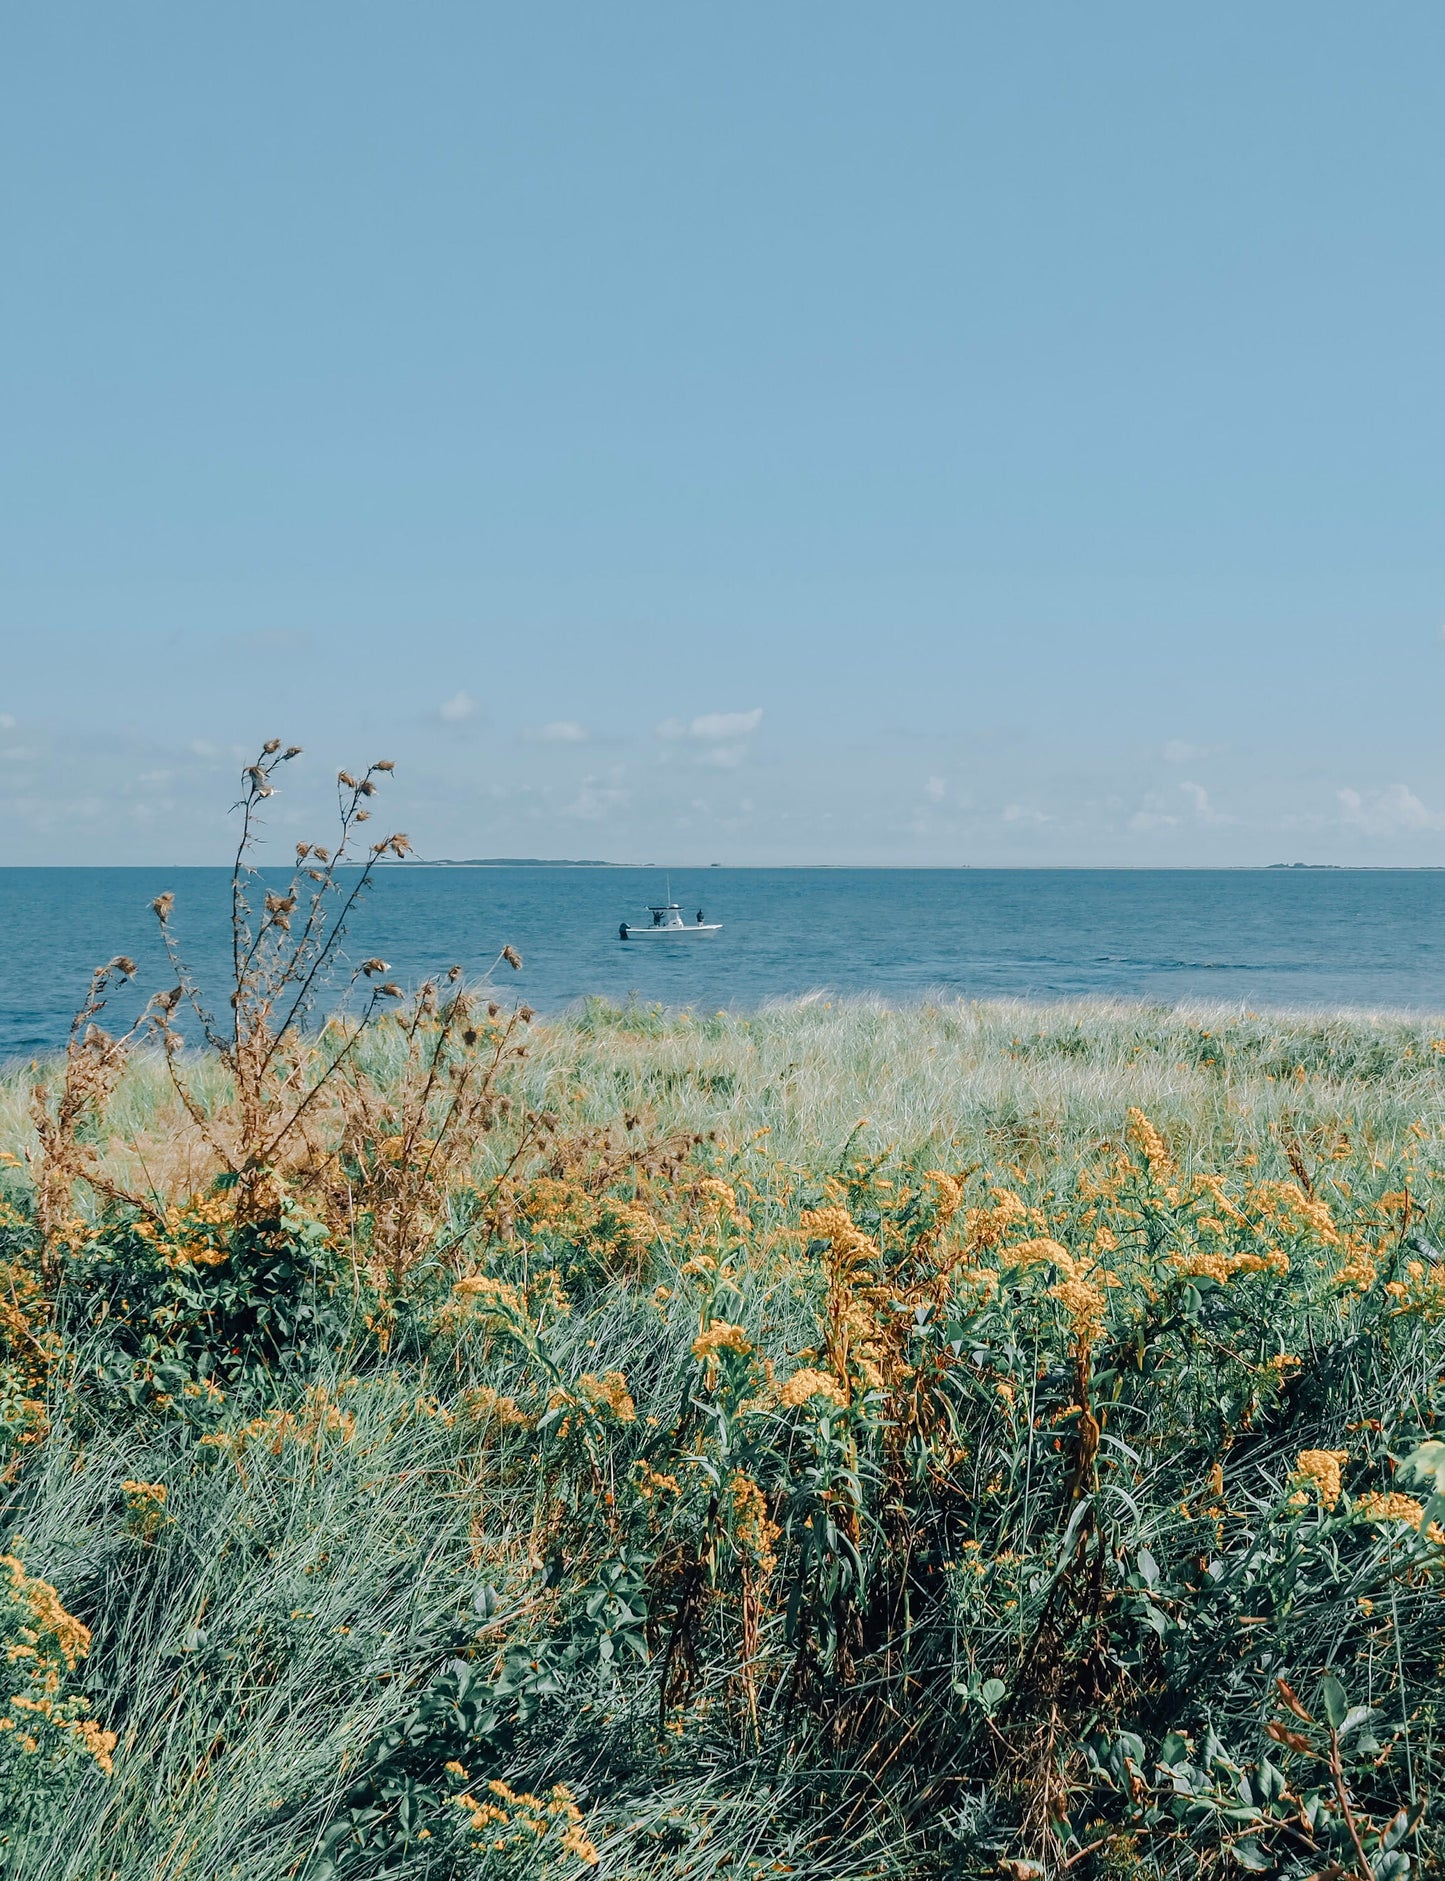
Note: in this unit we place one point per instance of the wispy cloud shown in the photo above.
(935, 790)
(712, 726)
(564, 731)
(461, 705)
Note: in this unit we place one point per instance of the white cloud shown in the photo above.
(1391, 811)
(727, 724)
(713, 725)
(564, 731)
(461, 705)
(1204, 810)
(1016, 813)
(7, 721)
(1151, 819)
(935, 790)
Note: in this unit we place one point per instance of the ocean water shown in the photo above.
(1263, 938)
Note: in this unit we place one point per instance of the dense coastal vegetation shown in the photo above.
(959, 1441)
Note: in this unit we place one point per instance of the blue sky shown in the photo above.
(930, 434)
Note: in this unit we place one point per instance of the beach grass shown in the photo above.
(848, 1441)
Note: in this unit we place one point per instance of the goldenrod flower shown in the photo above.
(1321, 1470)
(720, 1337)
(806, 1384)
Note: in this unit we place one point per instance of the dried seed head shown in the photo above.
(123, 965)
(526, 1014)
(369, 967)
(392, 990)
(345, 777)
(400, 844)
(363, 816)
(321, 855)
(291, 751)
(302, 851)
(492, 1009)
(454, 973)
(162, 906)
(383, 764)
(366, 787)
(271, 744)
(512, 958)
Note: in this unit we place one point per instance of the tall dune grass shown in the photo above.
(966, 1440)
(878, 1672)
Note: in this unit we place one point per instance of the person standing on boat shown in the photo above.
(699, 917)
(622, 930)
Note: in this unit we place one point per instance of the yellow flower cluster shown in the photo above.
(1390, 1506)
(1081, 1290)
(520, 1819)
(1147, 1139)
(720, 1337)
(806, 1384)
(487, 1405)
(986, 1227)
(44, 1643)
(145, 1505)
(488, 1297)
(319, 1416)
(1320, 1470)
(1289, 1203)
(1211, 1264)
(838, 1228)
(752, 1530)
(650, 1482)
(1422, 1291)
(602, 1397)
(947, 1200)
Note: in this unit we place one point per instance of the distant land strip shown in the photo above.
(500, 862)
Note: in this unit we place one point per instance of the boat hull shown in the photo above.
(685, 932)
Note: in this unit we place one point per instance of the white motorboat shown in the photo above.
(666, 923)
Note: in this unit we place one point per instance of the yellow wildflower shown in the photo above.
(1390, 1506)
(720, 1337)
(806, 1384)
(1321, 1469)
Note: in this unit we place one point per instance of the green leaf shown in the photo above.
(1427, 1460)
(1392, 1867)
(1334, 1702)
(992, 1695)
